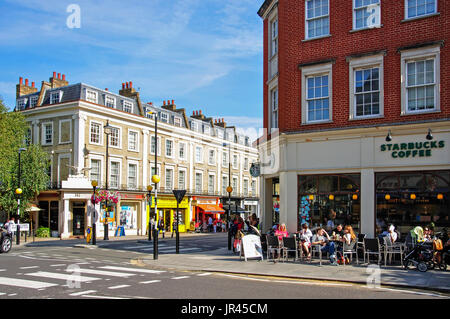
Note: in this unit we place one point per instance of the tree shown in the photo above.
(34, 163)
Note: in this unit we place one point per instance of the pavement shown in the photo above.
(224, 261)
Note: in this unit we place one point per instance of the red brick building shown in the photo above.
(356, 109)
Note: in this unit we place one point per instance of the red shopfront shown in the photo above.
(206, 207)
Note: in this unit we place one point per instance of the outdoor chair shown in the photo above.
(289, 245)
(264, 242)
(372, 247)
(317, 249)
(273, 246)
(350, 250)
(360, 245)
(392, 249)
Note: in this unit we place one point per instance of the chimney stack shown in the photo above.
(26, 82)
(21, 80)
(63, 77)
(54, 75)
(59, 76)
(24, 89)
(57, 82)
(131, 84)
(164, 102)
(32, 84)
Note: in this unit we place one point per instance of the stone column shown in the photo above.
(288, 200)
(79, 140)
(35, 132)
(368, 202)
(266, 203)
(191, 166)
(66, 219)
(145, 177)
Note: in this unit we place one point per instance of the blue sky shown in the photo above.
(204, 54)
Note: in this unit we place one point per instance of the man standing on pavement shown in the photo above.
(161, 226)
(174, 228)
(210, 222)
(9, 227)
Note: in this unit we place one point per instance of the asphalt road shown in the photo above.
(53, 270)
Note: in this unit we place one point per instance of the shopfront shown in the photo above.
(207, 207)
(167, 209)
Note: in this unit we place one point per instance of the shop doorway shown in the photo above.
(167, 220)
(78, 221)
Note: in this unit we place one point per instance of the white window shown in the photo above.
(114, 137)
(274, 37)
(21, 104)
(224, 159)
(198, 154)
(417, 8)
(65, 131)
(47, 133)
(169, 179)
(317, 18)
(235, 186)
(127, 106)
(274, 108)
(34, 100)
(317, 94)
(177, 121)
(95, 133)
(115, 175)
(132, 176)
(206, 129)
(366, 14)
(152, 145)
(164, 117)
(169, 148)
(245, 164)
(181, 179)
(224, 184)
(245, 186)
(133, 141)
(193, 126)
(235, 161)
(182, 151)
(198, 182)
(420, 80)
(212, 157)
(110, 101)
(95, 171)
(254, 188)
(91, 96)
(220, 134)
(211, 184)
(55, 97)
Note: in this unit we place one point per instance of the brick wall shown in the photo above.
(342, 43)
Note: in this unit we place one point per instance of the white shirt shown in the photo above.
(306, 235)
(210, 221)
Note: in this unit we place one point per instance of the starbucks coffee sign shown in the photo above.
(412, 149)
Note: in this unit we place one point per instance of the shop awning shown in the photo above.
(212, 209)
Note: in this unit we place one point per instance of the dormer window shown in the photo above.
(194, 126)
(206, 129)
(55, 97)
(33, 100)
(127, 106)
(110, 101)
(177, 121)
(91, 96)
(164, 117)
(21, 104)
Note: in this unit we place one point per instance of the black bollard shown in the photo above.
(155, 244)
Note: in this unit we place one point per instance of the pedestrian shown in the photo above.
(9, 225)
(174, 227)
(215, 225)
(161, 226)
(210, 224)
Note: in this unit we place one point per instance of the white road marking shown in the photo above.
(171, 249)
(204, 274)
(148, 271)
(103, 297)
(2, 269)
(149, 282)
(118, 287)
(83, 293)
(2, 293)
(58, 265)
(102, 273)
(30, 267)
(62, 276)
(181, 277)
(25, 283)
(11, 295)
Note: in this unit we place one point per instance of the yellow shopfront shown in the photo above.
(167, 207)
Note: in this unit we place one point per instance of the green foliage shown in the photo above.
(34, 163)
(43, 232)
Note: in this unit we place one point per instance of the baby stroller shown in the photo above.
(421, 256)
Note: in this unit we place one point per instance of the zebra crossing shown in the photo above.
(163, 248)
(64, 277)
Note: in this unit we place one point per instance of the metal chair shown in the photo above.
(273, 245)
(289, 245)
(360, 245)
(392, 249)
(372, 247)
(350, 250)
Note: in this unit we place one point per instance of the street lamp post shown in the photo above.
(94, 230)
(149, 200)
(108, 130)
(18, 193)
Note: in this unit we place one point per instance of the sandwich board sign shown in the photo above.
(251, 247)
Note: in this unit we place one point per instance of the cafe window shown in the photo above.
(319, 195)
(412, 199)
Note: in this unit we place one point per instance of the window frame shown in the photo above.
(52, 94)
(124, 105)
(119, 129)
(273, 38)
(43, 139)
(214, 157)
(172, 155)
(34, 100)
(137, 140)
(213, 183)
(201, 154)
(420, 54)
(113, 99)
(376, 25)
(317, 70)
(184, 170)
(100, 160)
(407, 18)
(316, 18)
(159, 145)
(184, 144)
(172, 180)
(195, 182)
(119, 161)
(70, 131)
(362, 63)
(100, 132)
(95, 101)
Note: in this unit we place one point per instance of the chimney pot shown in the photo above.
(123, 86)
(21, 80)
(32, 84)
(164, 102)
(26, 82)
(54, 75)
(200, 112)
(173, 102)
(168, 102)
(193, 113)
(106, 89)
(64, 77)
(59, 76)
(131, 84)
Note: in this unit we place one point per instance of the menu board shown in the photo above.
(251, 247)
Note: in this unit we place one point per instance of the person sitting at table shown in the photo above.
(282, 232)
(338, 230)
(305, 239)
(322, 239)
(330, 223)
(348, 237)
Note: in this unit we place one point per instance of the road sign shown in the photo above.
(179, 195)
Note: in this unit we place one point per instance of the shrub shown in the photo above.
(43, 232)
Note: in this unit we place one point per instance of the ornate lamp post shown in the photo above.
(94, 230)
(149, 200)
(108, 130)
(18, 193)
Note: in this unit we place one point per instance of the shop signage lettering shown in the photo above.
(416, 149)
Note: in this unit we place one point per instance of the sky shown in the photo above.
(204, 54)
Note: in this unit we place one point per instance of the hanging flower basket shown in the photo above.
(105, 196)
